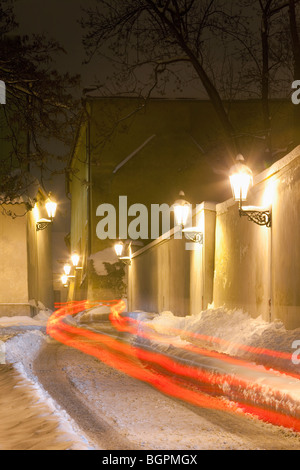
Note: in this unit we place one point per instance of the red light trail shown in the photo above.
(191, 383)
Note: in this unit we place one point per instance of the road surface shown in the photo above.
(117, 412)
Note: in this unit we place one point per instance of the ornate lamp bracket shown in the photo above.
(257, 215)
(193, 234)
(42, 224)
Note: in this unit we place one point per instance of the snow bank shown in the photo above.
(25, 421)
(21, 351)
(237, 327)
(265, 387)
(39, 320)
(266, 380)
(234, 328)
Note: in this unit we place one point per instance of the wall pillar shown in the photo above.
(202, 259)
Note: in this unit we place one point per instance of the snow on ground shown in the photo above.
(21, 348)
(143, 415)
(265, 385)
(236, 328)
(26, 422)
(24, 338)
(39, 320)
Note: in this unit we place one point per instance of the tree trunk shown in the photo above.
(217, 103)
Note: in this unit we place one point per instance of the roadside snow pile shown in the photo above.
(239, 348)
(25, 421)
(43, 316)
(227, 330)
(20, 351)
(39, 320)
(238, 328)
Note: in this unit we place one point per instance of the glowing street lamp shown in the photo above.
(241, 180)
(67, 269)
(75, 260)
(119, 249)
(51, 207)
(64, 280)
(181, 209)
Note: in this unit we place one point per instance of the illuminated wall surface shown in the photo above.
(13, 248)
(26, 262)
(148, 154)
(165, 276)
(240, 264)
(257, 267)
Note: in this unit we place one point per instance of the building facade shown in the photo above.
(239, 265)
(26, 283)
(147, 154)
(141, 154)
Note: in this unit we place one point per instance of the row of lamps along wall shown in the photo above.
(42, 224)
(69, 267)
(241, 180)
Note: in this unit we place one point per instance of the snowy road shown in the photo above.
(119, 412)
(51, 368)
(73, 400)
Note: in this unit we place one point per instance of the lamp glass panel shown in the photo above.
(119, 249)
(51, 208)
(75, 259)
(240, 185)
(181, 213)
(67, 269)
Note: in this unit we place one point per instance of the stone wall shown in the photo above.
(240, 264)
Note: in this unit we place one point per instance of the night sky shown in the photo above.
(59, 19)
